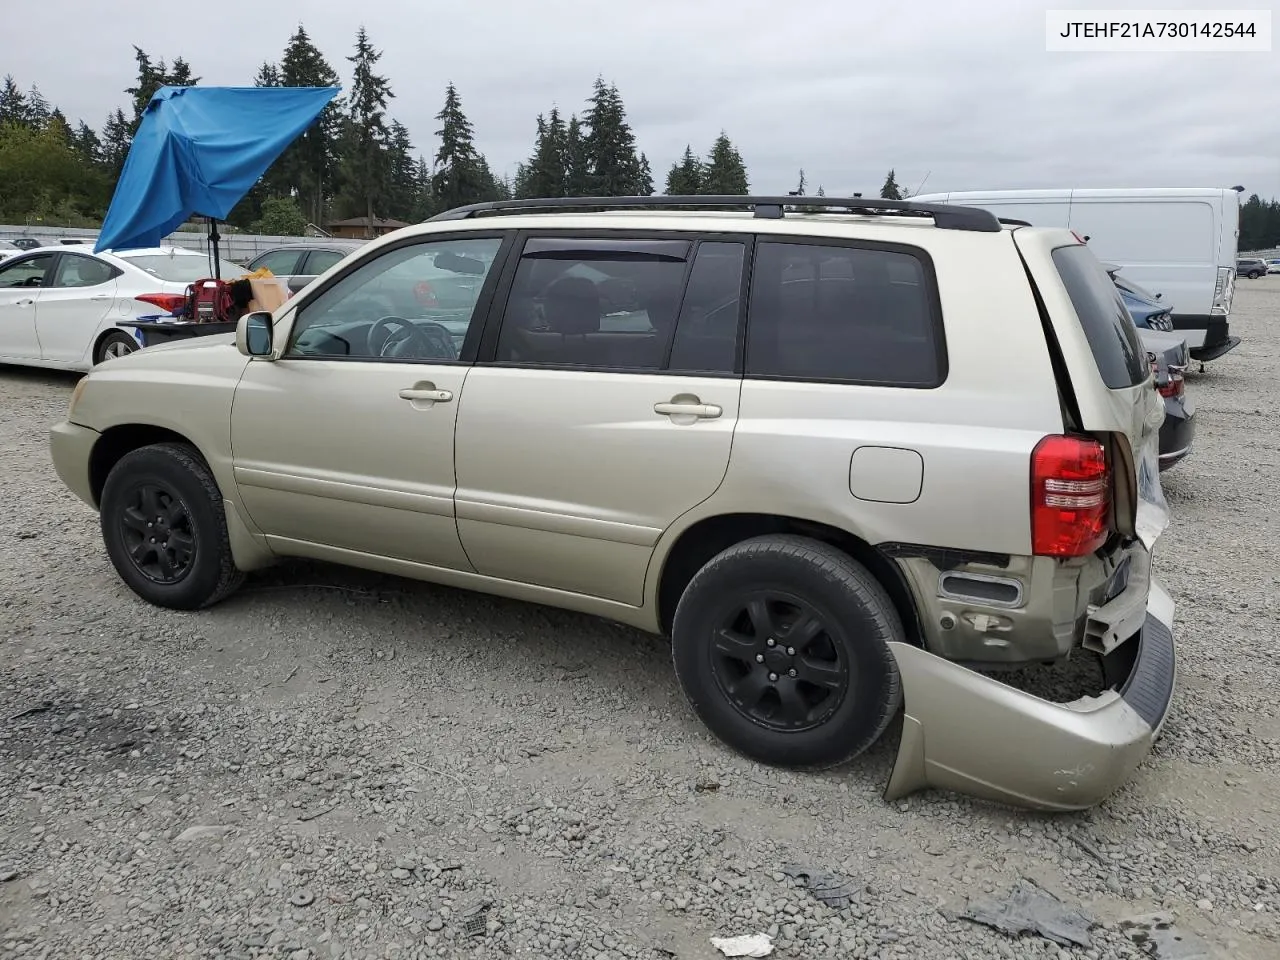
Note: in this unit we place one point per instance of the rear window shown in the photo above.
(1106, 321)
(181, 268)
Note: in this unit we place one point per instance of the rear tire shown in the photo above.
(165, 530)
(781, 644)
(115, 344)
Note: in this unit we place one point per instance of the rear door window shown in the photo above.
(845, 314)
(1106, 321)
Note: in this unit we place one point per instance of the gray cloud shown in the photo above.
(963, 93)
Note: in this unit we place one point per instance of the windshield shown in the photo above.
(181, 267)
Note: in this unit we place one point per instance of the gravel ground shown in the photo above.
(338, 764)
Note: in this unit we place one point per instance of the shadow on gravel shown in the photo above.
(37, 376)
(69, 733)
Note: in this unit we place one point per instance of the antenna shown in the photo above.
(916, 191)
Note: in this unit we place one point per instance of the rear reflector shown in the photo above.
(168, 302)
(1070, 497)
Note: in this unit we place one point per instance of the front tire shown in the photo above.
(781, 644)
(114, 345)
(165, 530)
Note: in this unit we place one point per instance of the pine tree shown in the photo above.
(725, 171)
(404, 181)
(644, 178)
(307, 167)
(366, 167)
(151, 77)
(117, 136)
(802, 185)
(86, 144)
(890, 190)
(179, 75)
(577, 162)
(13, 102)
(685, 178)
(545, 173)
(37, 108)
(613, 167)
(424, 202)
(268, 75)
(461, 175)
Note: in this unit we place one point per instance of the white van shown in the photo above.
(1177, 242)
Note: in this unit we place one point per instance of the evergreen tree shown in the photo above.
(577, 162)
(404, 180)
(685, 178)
(890, 190)
(461, 175)
(117, 136)
(644, 181)
(725, 171)
(366, 169)
(86, 143)
(614, 169)
(13, 102)
(802, 185)
(179, 75)
(545, 174)
(38, 112)
(424, 203)
(307, 165)
(268, 75)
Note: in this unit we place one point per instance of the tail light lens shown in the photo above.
(1176, 385)
(1070, 497)
(168, 302)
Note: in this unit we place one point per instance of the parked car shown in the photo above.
(26, 243)
(8, 249)
(60, 306)
(300, 263)
(1251, 267)
(1149, 311)
(841, 507)
(1273, 265)
(1169, 358)
(1178, 240)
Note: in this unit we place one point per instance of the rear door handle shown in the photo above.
(101, 296)
(417, 393)
(703, 411)
(25, 303)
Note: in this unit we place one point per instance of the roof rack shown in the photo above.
(945, 216)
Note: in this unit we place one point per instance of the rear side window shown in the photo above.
(1105, 319)
(844, 314)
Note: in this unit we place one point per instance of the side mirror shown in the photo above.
(254, 334)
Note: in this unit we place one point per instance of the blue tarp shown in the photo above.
(198, 151)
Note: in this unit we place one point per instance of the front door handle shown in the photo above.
(702, 411)
(25, 303)
(426, 393)
(101, 296)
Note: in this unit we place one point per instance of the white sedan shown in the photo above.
(60, 306)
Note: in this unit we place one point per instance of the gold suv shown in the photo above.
(843, 452)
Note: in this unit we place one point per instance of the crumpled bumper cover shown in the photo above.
(965, 732)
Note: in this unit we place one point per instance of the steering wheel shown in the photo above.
(403, 338)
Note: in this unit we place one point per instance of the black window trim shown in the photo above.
(695, 238)
(67, 255)
(932, 295)
(479, 317)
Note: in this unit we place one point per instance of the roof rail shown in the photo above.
(945, 216)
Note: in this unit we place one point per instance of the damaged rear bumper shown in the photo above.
(965, 732)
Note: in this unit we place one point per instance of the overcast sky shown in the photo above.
(956, 91)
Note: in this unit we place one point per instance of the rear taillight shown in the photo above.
(1070, 497)
(168, 302)
(1175, 386)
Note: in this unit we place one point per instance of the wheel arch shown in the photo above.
(100, 339)
(247, 543)
(701, 540)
